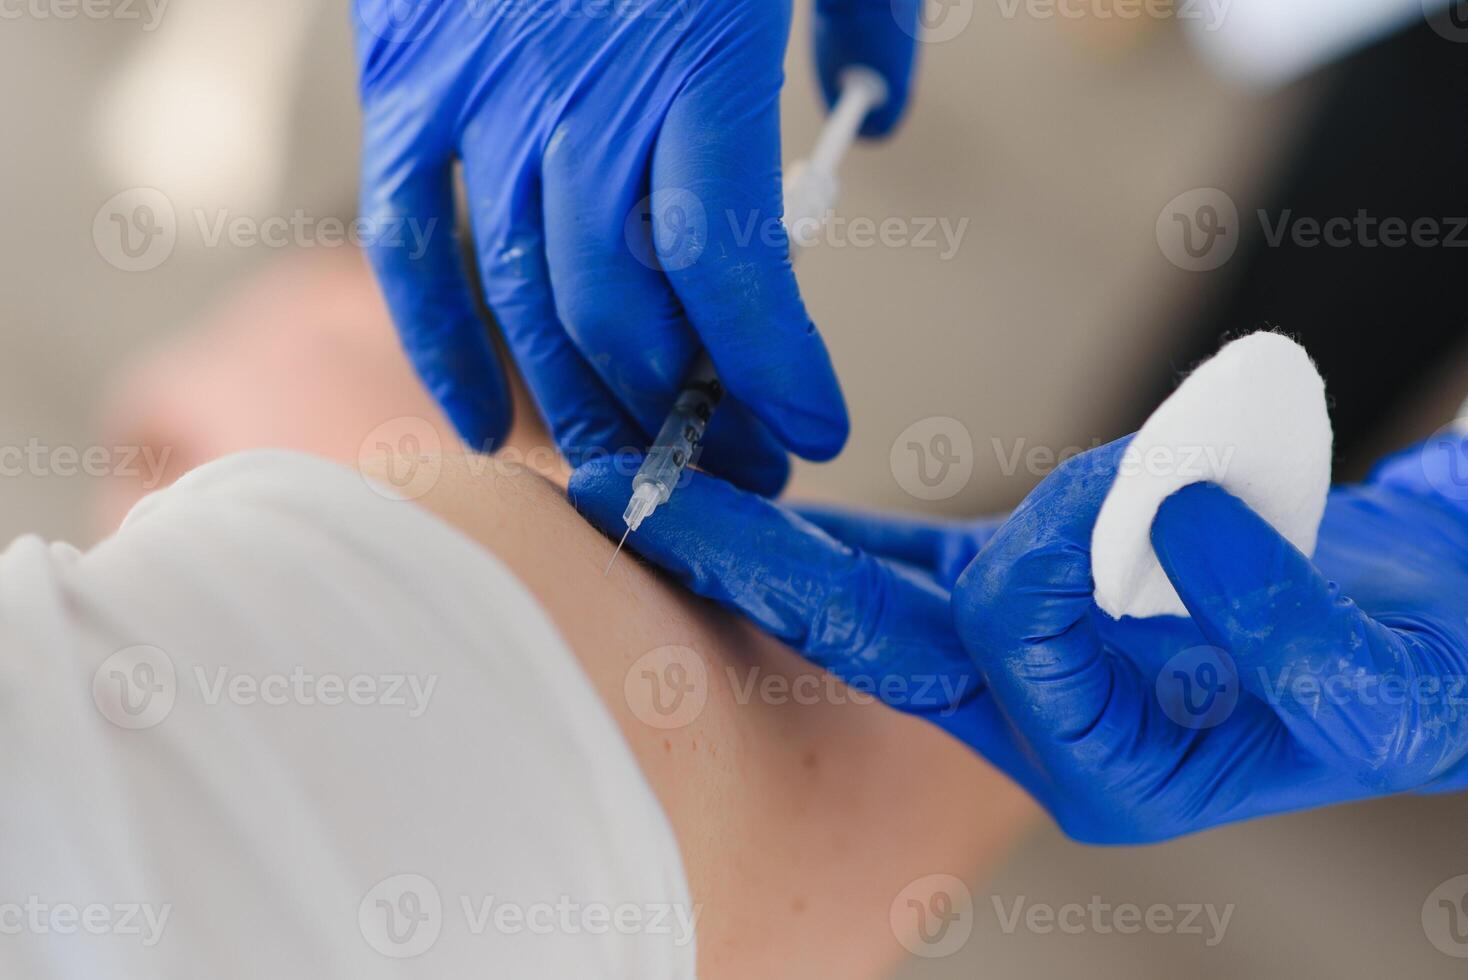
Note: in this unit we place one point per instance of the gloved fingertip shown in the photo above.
(600, 488)
(882, 121)
(1201, 536)
(1232, 569)
(482, 419)
(879, 36)
(816, 430)
(1181, 515)
(742, 450)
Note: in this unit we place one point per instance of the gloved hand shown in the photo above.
(1293, 684)
(865, 597)
(1279, 693)
(622, 164)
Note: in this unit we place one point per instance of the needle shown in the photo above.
(617, 552)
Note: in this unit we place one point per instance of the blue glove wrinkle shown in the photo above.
(1345, 680)
(563, 125)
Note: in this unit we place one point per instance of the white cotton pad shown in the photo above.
(1253, 421)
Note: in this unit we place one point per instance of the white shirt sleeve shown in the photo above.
(285, 725)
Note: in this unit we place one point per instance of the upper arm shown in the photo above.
(802, 808)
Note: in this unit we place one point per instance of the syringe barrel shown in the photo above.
(682, 432)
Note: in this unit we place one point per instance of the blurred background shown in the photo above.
(1086, 201)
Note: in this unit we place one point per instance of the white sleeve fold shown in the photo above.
(284, 725)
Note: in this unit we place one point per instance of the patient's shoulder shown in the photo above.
(801, 808)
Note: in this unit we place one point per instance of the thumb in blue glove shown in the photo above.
(1369, 672)
(878, 34)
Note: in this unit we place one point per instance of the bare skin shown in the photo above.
(801, 817)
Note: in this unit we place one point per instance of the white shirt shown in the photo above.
(283, 725)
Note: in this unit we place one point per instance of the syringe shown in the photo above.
(810, 193)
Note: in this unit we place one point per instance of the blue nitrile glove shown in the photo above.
(1294, 684)
(622, 165)
(1132, 730)
(865, 598)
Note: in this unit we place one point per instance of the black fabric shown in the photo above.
(1390, 137)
